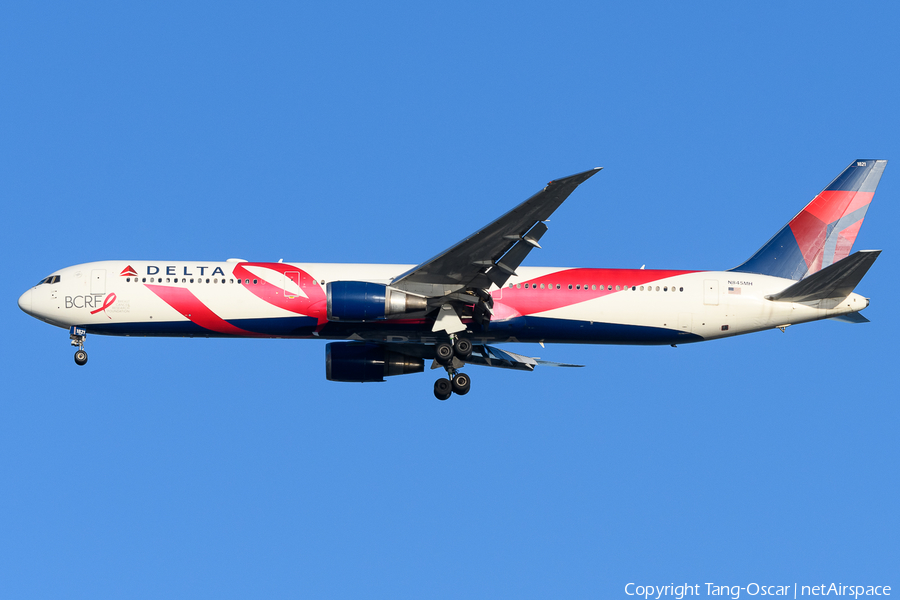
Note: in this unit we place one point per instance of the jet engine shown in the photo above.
(363, 362)
(364, 301)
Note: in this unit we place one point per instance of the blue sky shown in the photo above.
(385, 133)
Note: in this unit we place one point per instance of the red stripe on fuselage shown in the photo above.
(314, 303)
(190, 307)
(531, 300)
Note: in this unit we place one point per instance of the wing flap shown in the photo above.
(491, 356)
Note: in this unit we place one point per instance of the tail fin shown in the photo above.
(824, 231)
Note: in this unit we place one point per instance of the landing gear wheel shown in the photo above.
(442, 389)
(80, 358)
(443, 353)
(463, 348)
(461, 384)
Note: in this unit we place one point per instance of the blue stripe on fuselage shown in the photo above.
(522, 329)
(543, 329)
(274, 327)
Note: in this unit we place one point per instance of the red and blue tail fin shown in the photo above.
(824, 231)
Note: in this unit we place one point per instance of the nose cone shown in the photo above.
(25, 301)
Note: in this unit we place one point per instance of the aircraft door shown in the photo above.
(711, 292)
(291, 284)
(98, 281)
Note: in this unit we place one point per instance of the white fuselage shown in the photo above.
(544, 304)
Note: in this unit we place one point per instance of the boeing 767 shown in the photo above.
(453, 308)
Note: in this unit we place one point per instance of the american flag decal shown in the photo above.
(734, 290)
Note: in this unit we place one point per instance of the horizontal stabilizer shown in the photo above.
(853, 317)
(835, 281)
(490, 356)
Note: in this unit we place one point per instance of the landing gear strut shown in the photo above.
(77, 335)
(456, 382)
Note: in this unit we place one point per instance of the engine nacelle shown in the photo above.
(364, 301)
(363, 362)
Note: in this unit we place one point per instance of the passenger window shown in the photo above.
(634, 289)
(254, 281)
(642, 288)
(144, 280)
(593, 287)
(570, 286)
(192, 280)
(128, 280)
(680, 289)
(207, 280)
(657, 288)
(617, 288)
(577, 287)
(542, 286)
(665, 289)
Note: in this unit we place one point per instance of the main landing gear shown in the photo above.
(77, 335)
(452, 358)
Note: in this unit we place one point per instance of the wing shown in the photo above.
(491, 356)
(492, 254)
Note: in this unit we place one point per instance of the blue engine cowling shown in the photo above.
(365, 301)
(364, 362)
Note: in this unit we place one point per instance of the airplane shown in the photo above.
(452, 309)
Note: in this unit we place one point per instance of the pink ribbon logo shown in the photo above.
(107, 302)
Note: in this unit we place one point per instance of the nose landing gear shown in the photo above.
(451, 358)
(77, 335)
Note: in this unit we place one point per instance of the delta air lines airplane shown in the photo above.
(452, 309)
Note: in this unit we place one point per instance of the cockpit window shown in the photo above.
(51, 279)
